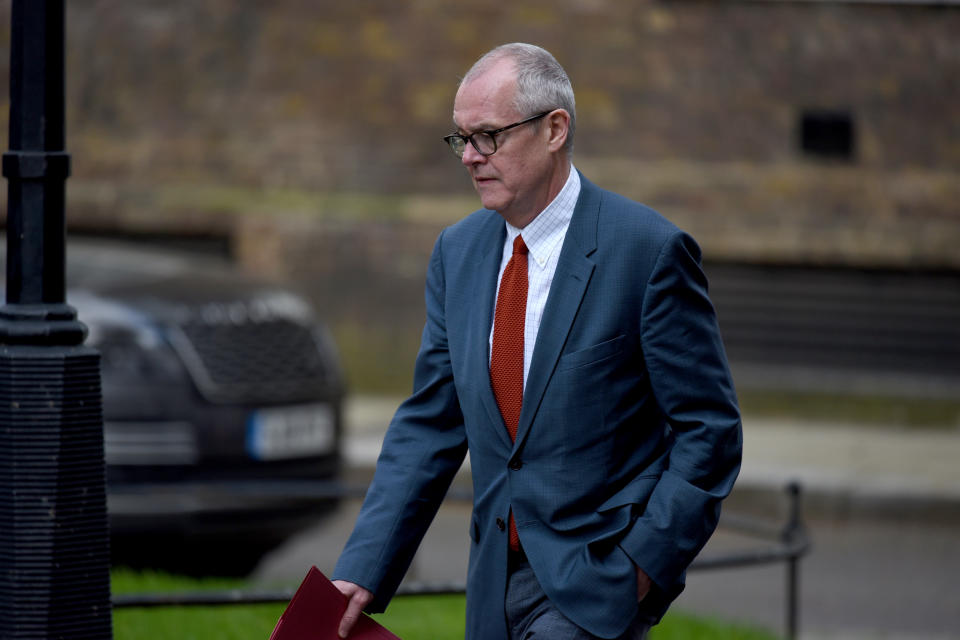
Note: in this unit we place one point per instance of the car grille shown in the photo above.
(269, 362)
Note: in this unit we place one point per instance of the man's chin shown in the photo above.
(491, 201)
(488, 203)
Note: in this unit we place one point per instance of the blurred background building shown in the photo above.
(811, 147)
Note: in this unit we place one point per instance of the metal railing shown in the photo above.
(786, 542)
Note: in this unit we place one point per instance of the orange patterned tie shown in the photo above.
(506, 362)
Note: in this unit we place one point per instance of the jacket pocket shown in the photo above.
(636, 493)
(592, 354)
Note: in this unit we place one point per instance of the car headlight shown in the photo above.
(130, 345)
(132, 351)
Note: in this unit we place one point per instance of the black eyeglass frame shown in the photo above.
(449, 139)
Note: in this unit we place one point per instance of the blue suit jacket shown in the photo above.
(628, 440)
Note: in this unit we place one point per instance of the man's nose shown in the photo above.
(471, 155)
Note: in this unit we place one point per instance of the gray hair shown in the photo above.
(542, 84)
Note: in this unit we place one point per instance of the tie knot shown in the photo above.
(519, 247)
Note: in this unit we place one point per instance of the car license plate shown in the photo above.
(291, 432)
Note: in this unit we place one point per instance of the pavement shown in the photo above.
(881, 504)
(845, 470)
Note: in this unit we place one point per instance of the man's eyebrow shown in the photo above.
(483, 126)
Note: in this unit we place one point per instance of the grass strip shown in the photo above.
(410, 617)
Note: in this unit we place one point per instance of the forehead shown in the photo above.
(486, 101)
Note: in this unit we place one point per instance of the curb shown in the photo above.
(845, 472)
(819, 501)
(846, 503)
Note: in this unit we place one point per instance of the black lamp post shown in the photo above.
(54, 544)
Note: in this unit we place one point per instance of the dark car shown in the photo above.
(222, 403)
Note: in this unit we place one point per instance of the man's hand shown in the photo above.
(357, 599)
(643, 584)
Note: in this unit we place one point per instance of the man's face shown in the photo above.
(514, 181)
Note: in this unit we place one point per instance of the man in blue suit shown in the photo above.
(571, 347)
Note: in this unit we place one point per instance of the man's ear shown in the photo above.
(558, 126)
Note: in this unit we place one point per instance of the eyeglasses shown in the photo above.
(485, 142)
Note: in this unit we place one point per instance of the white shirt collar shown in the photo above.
(545, 232)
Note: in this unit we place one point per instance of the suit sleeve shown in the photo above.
(691, 382)
(422, 451)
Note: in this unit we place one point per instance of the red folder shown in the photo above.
(314, 614)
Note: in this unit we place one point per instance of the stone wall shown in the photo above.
(185, 115)
(308, 132)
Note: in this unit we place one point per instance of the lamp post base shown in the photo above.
(54, 537)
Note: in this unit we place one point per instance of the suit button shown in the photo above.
(515, 465)
(500, 524)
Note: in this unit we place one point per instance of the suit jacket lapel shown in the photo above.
(490, 243)
(574, 269)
